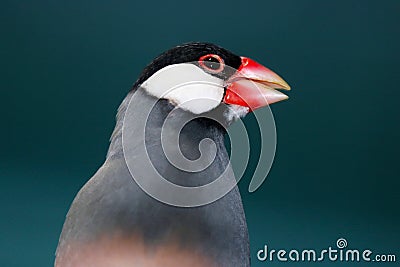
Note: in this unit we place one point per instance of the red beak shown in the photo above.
(253, 86)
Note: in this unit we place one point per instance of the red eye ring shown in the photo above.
(203, 60)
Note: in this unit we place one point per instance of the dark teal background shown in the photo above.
(66, 66)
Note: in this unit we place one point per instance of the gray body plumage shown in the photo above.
(112, 202)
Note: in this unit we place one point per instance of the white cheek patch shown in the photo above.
(187, 86)
(196, 98)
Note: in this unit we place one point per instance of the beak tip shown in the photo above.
(284, 85)
(284, 97)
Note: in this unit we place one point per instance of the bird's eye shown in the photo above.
(212, 63)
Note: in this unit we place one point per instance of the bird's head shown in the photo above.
(199, 77)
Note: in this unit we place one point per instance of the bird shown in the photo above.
(115, 221)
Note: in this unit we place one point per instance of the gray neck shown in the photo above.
(190, 136)
(115, 148)
(219, 229)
